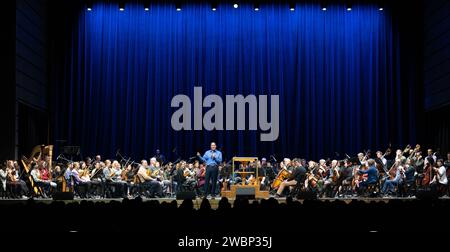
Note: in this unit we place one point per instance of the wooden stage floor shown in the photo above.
(213, 202)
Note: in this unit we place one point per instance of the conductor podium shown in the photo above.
(247, 187)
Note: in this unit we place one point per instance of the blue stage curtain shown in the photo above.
(337, 74)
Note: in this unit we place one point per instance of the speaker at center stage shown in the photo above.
(189, 195)
(63, 196)
(245, 193)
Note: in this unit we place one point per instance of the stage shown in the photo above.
(215, 202)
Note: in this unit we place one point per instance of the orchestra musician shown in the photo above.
(322, 175)
(381, 161)
(81, 181)
(152, 186)
(431, 155)
(440, 181)
(68, 176)
(200, 171)
(346, 176)
(297, 176)
(116, 179)
(372, 173)
(261, 174)
(3, 177)
(389, 184)
(160, 176)
(212, 158)
(13, 179)
(44, 184)
(97, 179)
(331, 178)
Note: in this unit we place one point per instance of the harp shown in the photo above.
(37, 154)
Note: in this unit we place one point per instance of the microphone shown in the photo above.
(273, 157)
(117, 152)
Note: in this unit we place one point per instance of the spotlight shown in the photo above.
(121, 5)
(256, 6)
(381, 5)
(349, 5)
(291, 5)
(214, 5)
(235, 5)
(89, 5)
(147, 5)
(323, 5)
(178, 6)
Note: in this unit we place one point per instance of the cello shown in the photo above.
(281, 176)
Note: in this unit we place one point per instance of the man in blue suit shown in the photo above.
(212, 158)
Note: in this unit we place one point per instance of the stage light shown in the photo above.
(121, 6)
(291, 5)
(89, 5)
(381, 5)
(178, 6)
(348, 5)
(256, 6)
(235, 5)
(147, 5)
(323, 5)
(214, 5)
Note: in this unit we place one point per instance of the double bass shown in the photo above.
(427, 174)
(380, 165)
